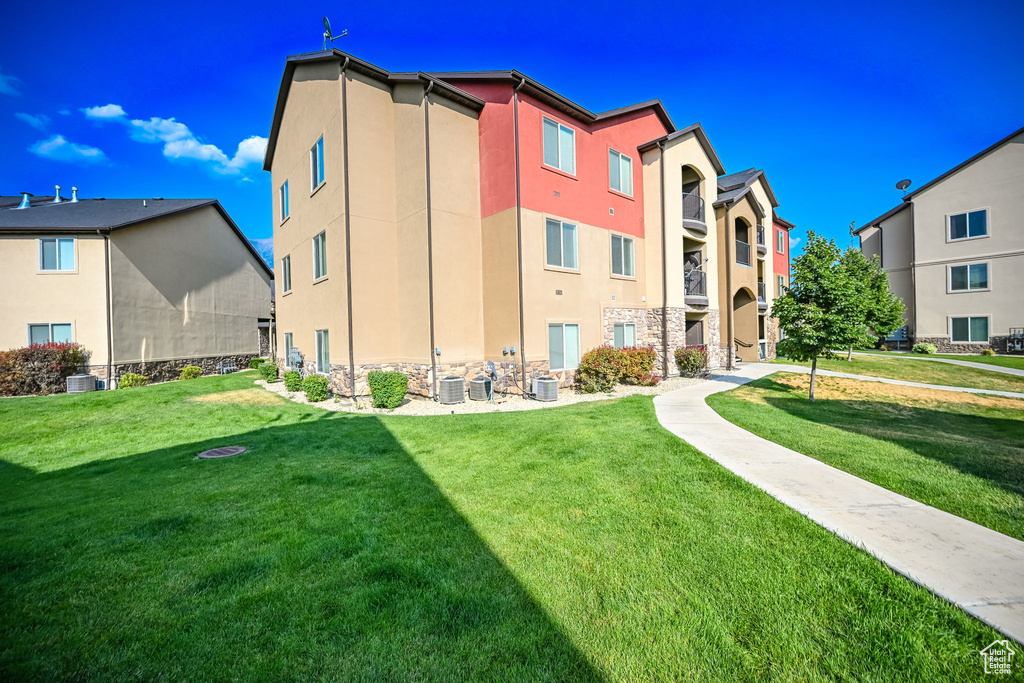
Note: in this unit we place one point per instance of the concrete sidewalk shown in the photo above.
(964, 363)
(978, 569)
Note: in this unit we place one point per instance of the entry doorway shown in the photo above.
(694, 332)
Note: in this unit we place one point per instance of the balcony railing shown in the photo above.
(694, 283)
(742, 253)
(693, 207)
(760, 235)
(761, 292)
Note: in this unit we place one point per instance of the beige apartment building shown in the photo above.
(145, 285)
(954, 252)
(430, 223)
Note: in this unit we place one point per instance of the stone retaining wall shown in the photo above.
(166, 370)
(944, 345)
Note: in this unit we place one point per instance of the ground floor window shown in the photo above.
(564, 346)
(323, 352)
(42, 333)
(288, 348)
(624, 335)
(969, 330)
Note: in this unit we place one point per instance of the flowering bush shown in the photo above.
(40, 369)
(599, 369)
(692, 361)
(637, 365)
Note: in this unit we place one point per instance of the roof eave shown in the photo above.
(698, 131)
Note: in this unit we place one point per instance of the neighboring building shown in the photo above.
(493, 219)
(144, 285)
(954, 251)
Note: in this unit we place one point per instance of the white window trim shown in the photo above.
(949, 278)
(558, 147)
(286, 274)
(612, 150)
(949, 328)
(579, 351)
(282, 195)
(624, 326)
(988, 225)
(74, 246)
(314, 155)
(317, 337)
(780, 238)
(322, 276)
(561, 245)
(611, 239)
(49, 333)
(288, 341)
(780, 284)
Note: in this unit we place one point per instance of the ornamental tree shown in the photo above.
(824, 307)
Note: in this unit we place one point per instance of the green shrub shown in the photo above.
(131, 380)
(387, 388)
(268, 371)
(988, 352)
(315, 387)
(40, 369)
(924, 348)
(692, 361)
(190, 372)
(293, 380)
(637, 365)
(883, 347)
(256, 362)
(599, 369)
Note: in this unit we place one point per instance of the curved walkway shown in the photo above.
(951, 361)
(972, 566)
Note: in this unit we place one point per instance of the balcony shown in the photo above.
(742, 253)
(695, 287)
(762, 296)
(761, 248)
(693, 213)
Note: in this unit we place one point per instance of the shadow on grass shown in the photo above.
(322, 552)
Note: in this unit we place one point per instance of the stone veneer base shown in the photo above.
(166, 370)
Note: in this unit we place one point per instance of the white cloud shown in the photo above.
(8, 85)
(107, 111)
(190, 148)
(59, 149)
(40, 121)
(159, 130)
(793, 241)
(250, 151)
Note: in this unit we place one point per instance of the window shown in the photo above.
(559, 146)
(620, 172)
(323, 352)
(966, 278)
(781, 282)
(780, 241)
(971, 224)
(316, 164)
(284, 201)
(624, 335)
(561, 244)
(287, 346)
(622, 256)
(57, 253)
(320, 256)
(969, 330)
(286, 273)
(564, 346)
(49, 332)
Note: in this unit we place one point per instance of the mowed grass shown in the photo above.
(1015, 362)
(579, 543)
(924, 372)
(962, 453)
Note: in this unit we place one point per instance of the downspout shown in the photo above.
(729, 319)
(664, 270)
(519, 234)
(348, 229)
(110, 335)
(430, 239)
(913, 271)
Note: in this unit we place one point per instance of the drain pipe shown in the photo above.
(430, 238)
(519, 234)
(348, 229)
(730, 244)
(664, 270)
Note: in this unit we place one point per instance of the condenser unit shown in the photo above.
(545, 388)
(480, 389)
(452, 390)
(80, 383)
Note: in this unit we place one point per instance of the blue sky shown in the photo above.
(836, 101)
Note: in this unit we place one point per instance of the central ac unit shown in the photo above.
(452, 390)
(80, 383)
(480, 389)
(545, 388)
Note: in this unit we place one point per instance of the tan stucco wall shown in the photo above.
(34, 296)
(743, 277)
(184, 287)
(893, 243)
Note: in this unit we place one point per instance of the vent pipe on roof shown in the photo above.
(74, 195)
(25, 200)
(56, 194)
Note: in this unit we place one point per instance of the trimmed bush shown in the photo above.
(883, 347)
(268, 371)
(387, 388)
(988, 352)
(637, 365)
(40, 369)
(256, 362)
(132, 380)
(599, 369)
(924, 348)
(190, 372)
(692, 361)
(315, 387)
(293, 380)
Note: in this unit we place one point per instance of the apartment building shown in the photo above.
(145, 285)
(954, 251)
(431, 223)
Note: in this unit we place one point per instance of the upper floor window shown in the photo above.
(620, 172)
(622, 256)
(969, 224)
(780, 241)
(320, 256)
(316, 164)
(284, 201)
(966, 278)
(561, 244)
(559, 146)
(286, 274)
(781, 285)
(57, 253)
(624, 335)
(43, 333)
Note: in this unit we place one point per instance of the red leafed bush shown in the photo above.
(692, 361)
(599, 370)
(637, 365)
(40, 369)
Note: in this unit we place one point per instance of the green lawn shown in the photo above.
(945, 374)
(579, 543)
(1016, 362)
(960, 453)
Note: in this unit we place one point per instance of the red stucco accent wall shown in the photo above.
(781, 261)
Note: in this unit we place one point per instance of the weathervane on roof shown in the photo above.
(903, 185)
(328, 36)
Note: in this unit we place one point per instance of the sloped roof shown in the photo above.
(743, 179)
(701, 136)
(888, 214)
